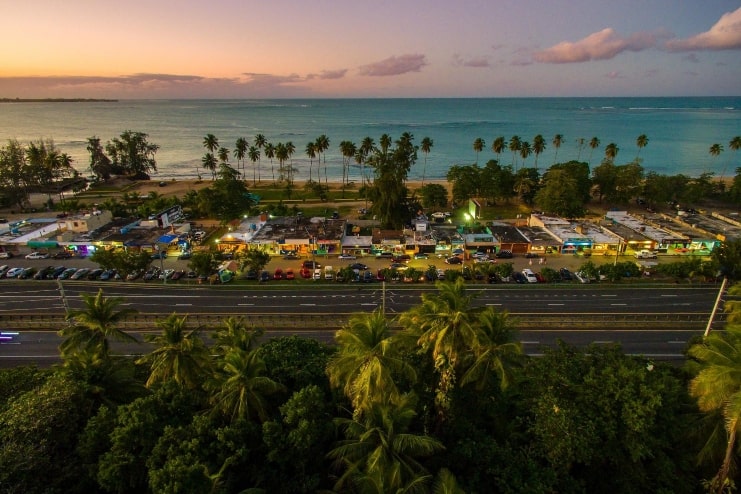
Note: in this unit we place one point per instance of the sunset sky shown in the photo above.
(354, 48)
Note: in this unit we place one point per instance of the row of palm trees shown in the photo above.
(524, 149)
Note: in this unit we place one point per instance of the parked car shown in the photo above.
(530, 275)
(519, 277)
(151, 274)
(480, 255)
(347, 257)
(583, 278)
(305, 273)
(13, 272)
(290, 256)
(264, 277)
(565, 274)
(290, 275)
(166, 274)
(37, 255)
(56, 272)
(80, 273)
(531, 255)
(504, 254)
(133, 275)
(94, 274)
(358, 266)
(185, 255)
(177, 275)
(311, 265)
(67, 273)
(26, 273)
(108, 274)
(454, 260)
(317, 274)
(385, 255)
(421, 255)
(398, 266)
(278, 274)
(62, 254)
(368, 277)
(160, 255)
(43, 273)
(328, 273)
(401, 258)
(5, 255)
(4, 269)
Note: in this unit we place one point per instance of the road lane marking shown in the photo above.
(556, 304)
(250, 305)
(618, 304)
(668, 295)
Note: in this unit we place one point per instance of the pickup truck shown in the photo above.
(645, 254)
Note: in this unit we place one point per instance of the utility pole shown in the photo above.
(715, 306)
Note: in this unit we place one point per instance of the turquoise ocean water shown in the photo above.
(680, 130)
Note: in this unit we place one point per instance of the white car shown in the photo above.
(14, 272)
(37, 255)
(583, 278)
(4, 269)
(5, 255)
(347, 257)
(530, 275)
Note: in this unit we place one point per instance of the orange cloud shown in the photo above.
(602, 45)
(394, 66)
(724, 35)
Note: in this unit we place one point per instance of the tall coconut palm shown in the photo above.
(580, 143)
(538, 147)
(717, 387)
(611, 151)
(715, 150)
(209, 163)
(254, 155)
(593, 144)
(367, 146)
(240, 151)
(347, 149)
(179, 355)
(260, 142)
(445, 326)
(525, 151)
(322, 145)
(240, 387)
(499, 145)
(385, 143)
(557, 141)
(93, 326)
(641, 142)
(270, 154)
(223, 155)
(478, 146)
(734, 145)
(425, 146)
(367, 361)
(379, 454)
(281, 153)
(311, 153)
(211, 142)
(514, 146)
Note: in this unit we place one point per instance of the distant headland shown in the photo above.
(55, 100)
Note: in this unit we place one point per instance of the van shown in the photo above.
(328, 273)
(529, 275)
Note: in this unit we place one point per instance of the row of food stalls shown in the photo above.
(617, 232)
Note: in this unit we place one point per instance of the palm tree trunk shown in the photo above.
(720, 479)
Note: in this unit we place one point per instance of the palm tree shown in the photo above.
(260, 142)
(514, 145)
(734, 145)
(347, 148)
(385, 142)
(270, 154)
(538, 147)
(611, 151)
(525, 151)
(93, 326)
(322, 145)
(180, 354)
(235, 332)
(240, 386)
(379, 454)
(580, 143)
(445, 326)
(715, 150)
(209, 163)
(367, 361)
(254, 155)
(240, 151)
(366, 148)
(499, 145)
(498, 352)
(641, 142)
(557, 141)
(478, 146)
(223, 155)
(211, 142)
(281, 152)
(425, 146)
(311, 153)
(717, 387)
(593, 144)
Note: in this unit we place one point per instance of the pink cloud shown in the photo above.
(602, 45)
(328, 74)
(724, 35)
(394, 66)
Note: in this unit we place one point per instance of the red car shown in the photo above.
(289, 274)
(305, 273)
(278, 275)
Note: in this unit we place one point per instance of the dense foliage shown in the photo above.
(447, 404)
